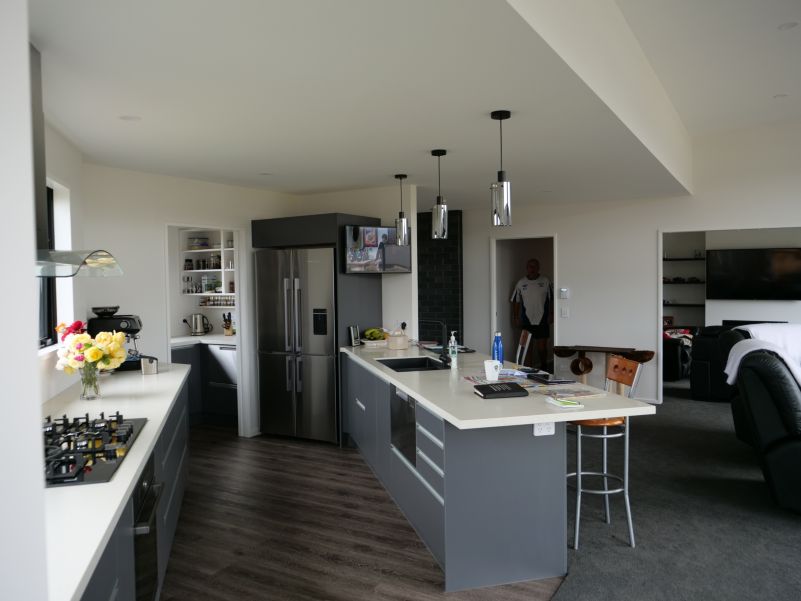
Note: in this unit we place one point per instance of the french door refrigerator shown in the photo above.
(296, 342)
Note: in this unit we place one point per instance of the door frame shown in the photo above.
(493, 284)
(248, 418)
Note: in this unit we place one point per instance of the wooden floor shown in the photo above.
(276, 519)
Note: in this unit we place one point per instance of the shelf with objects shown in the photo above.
(208, 270)
(684, 278)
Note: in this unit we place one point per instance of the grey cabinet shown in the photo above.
(171, 463)
(471, 495)
(220, 379)
(212, 382)
(191, 355)
(113, 578)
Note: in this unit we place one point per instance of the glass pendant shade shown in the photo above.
(402, 230)
(500, 191)
(439, 220)
(439, 212)
(501, 198)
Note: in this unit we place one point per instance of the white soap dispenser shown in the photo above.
(453, 349)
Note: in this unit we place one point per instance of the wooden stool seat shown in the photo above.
(600, 423)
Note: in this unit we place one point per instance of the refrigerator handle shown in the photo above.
(299, 374)
(298, 323)
(287, 343)
(288, 377)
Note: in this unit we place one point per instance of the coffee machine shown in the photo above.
(107, 320)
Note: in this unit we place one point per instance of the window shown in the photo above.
(47, 286)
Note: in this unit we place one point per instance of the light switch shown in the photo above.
(564, 312)
(564, 293)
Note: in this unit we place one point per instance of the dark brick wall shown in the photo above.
(439, 277)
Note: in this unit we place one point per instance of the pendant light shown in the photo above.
(401, 227)
(439, 212)
(500, 193)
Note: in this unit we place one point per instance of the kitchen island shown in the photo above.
(484, 491)
(89, 527)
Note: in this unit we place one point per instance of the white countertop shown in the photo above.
(205, 339)
(447, 394)
(80, 519)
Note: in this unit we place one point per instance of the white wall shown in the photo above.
(718, 310)
(399, 291)
(609, 254)
(595, 41)
(22, 516)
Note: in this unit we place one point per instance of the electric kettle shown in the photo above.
(198, 324)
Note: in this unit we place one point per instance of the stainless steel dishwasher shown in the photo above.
(403, 424)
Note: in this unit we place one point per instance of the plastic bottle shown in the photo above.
(453, 349)
(497, 348)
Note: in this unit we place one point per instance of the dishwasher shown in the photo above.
(403, 424)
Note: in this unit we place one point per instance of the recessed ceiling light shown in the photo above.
(777, 96)
(130, 118)
(788, 25)
(265, 173)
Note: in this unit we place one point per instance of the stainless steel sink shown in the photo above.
(412, 364)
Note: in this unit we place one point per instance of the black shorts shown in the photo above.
(538, 331)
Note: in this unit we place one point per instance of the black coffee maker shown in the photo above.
(107, 320)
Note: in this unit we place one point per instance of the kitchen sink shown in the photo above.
(412, 364)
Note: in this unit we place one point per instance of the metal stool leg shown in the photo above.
(578, 487)
(626, 481)
(606, 487)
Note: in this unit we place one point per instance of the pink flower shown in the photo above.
(79, 357)
(78, 347)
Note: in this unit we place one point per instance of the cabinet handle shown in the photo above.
(287, 344)
(299, 374)
(144, 526)
(298, 322)
(360, 405)
(227, 348)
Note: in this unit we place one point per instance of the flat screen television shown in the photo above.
(371, 249)
(753, 274)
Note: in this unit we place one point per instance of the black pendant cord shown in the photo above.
(400, 185)
(439, 177)
(500, 124)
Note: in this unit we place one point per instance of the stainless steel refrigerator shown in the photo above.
(296, 316)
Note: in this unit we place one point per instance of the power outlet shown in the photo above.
(544, 429)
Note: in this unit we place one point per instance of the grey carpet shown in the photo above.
(705, 524)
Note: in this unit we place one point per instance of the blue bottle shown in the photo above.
(497, 348)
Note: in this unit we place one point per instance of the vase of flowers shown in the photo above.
(89, 356)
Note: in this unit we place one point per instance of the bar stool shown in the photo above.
(623, 373)
(522, 347)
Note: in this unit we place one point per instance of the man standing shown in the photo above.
(532, 308)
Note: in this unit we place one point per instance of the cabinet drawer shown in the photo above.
(431, 472)
(420, 505)
(171, 444)
(429, 421)
(431, 446)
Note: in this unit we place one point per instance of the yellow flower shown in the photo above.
(119, 337)
(74, 363)
(112, 347)
(119, 354)
(81, 339)
(103, 339)
(93, 354)
(68, 370)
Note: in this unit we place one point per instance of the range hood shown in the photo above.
(69, 263)
(56, 263)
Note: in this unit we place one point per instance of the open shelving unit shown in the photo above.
(208, 267)
(685, 259)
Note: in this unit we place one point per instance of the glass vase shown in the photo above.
(90, 388)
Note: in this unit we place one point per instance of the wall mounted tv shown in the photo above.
(753, 274)
(374, 250)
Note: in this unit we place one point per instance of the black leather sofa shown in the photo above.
(676, 358)
(707, 380)
(770, 402)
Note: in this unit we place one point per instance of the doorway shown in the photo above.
(511, 257)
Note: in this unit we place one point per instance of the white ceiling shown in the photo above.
(333, 95)
(723, 61)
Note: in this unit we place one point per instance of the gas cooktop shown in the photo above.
(82, 450)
